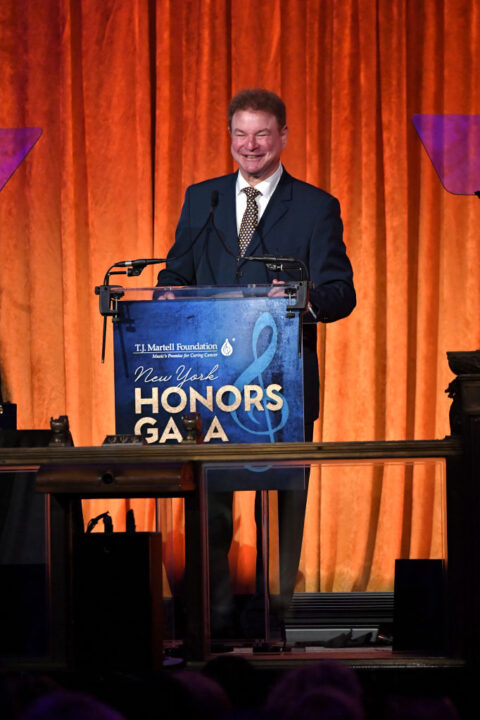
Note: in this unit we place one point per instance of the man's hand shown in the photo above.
(167, 295)
(277, 291)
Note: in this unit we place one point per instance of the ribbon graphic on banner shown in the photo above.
(255, 371)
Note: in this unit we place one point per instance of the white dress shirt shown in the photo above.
(266, 187)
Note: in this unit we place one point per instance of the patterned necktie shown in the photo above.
(249, 220)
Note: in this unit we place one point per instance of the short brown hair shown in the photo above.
(258, 99)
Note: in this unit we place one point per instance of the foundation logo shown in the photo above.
(227, 349)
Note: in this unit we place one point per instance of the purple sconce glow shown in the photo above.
(452, 143)
(15, 144)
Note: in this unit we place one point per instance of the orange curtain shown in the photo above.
(131, 98)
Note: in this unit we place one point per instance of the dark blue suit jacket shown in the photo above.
(300, 221)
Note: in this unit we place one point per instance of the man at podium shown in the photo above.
(262, 210)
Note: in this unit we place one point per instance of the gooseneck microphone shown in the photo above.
(135, 267)
(141, 262)
(107, 294)
(281, 264)
(213, 205)
(272, 262)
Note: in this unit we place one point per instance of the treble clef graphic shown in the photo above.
(255, 370)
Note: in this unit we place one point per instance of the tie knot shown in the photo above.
(251, 192)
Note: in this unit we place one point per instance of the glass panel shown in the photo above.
(199, 292)
(15, 144)
(361, 516)
(452, 143)
(243, 379)
(170, 523)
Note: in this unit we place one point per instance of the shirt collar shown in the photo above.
(266, 187)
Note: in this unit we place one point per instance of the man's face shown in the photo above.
(257, 143)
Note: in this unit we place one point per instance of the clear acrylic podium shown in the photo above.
(230, 354)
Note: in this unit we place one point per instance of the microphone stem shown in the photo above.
(104, 337)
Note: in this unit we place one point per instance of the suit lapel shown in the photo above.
(226, 214)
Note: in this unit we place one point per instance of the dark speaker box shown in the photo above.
(419, 606)
(23, 611)
(23, 554)
(8, 416)
(118, 603)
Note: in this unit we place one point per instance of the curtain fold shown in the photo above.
(131, 98)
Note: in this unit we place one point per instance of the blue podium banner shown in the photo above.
(234, 360)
